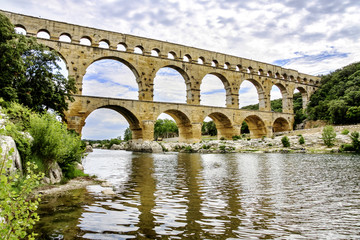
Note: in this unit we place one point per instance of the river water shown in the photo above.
(210, 196)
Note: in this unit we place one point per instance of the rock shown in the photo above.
(89, 148)
(106, 184)
(7, 143)
(145, 146)
(55, 173)
(79, 166)
(108, 191)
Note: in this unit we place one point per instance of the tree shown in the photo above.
(165, 128)
(328, 135)
(127, 134)
(30, 73)
(209, 128)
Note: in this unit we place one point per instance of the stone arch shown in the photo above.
(184, 75)
(65, 37)
(304, 96)
(131, 118)
(281, 125)
(86, 40)
(19, 28)
(184, 124)
(227, 86)
(128, 65)
(187, 58)
(256, 126)
(260, 91)
(286, 105)
(223, 124)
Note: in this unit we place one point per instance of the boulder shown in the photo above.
(6, 144)
(145, 146)
(88, 148)
(55, 173)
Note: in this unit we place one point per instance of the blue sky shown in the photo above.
(313, 37)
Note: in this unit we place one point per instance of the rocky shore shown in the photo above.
(313, 143)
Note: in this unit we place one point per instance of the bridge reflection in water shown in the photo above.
(213, 196)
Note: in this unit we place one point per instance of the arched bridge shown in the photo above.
(81, 46)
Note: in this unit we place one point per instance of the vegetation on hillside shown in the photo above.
(338, 98)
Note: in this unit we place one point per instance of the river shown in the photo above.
(210, 196)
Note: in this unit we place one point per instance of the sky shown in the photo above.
(313, 37)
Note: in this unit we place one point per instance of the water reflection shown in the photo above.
(213, 196)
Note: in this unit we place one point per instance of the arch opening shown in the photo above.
(251, 95)
(201, 60)
(279, 98)
(187, 58)
(108, 122)
(19, 29)
(214, 90)
(281, 125)
(185, 129)
(121, 47)
(300, 100)
(111, 78)
(86, 41)
(155, 52)
(43, 34)
(139, 50)
(217, 124)
(65, 38)
(104, 44)
(256, 126)
(172, 55)
(165, 128)
(171, 84)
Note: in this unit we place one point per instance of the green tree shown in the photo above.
(355, 141)
(209, 128)
(127, 134)
(328, 135)
(165, 128)
(30, 73)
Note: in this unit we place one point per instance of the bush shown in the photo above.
(54, 143)
(355, 141)
(328, 135)
(345, 132)
(236, 137)
(18, 205)
(285, 141)
(222, 138)
(301, 140)
(346, 148)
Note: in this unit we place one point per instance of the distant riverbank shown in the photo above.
(313, 143)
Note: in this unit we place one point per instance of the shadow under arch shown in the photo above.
(256, 126)
(133, 121)
(227, 87)
(183, 123)
(223, 124)
(260, 91)
(281, 125)
(304, 96)
(184, 75)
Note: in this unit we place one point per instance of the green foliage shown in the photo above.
(301, 140)
(54, 143)
(222, 138)
(113, 141)
(244, 128)
(127, 134)
(338, 98)
(165, 128)
(18, 206)
(209, 128)
(205, 146)
(285, 141)
(328, 135)
(236, 137)
(346, 148)
(30, 73)
(355, 141)
(345, 132)
(189, 149)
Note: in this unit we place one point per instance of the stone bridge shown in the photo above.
(81, 46)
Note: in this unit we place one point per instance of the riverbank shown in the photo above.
(313, 143)
(62, 189)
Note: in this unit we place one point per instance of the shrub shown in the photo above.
(328, 135)
(18, 205)
(222, 138)
(345, 132)
(346, 148)
(189, 149)
(236, 137)
(355, 141)
(301, 140)
(205, 146)
(285, 141)
(54, 143)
